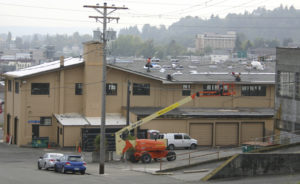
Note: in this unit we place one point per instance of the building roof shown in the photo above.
(43, 68)
(184, 71)
(75, 119)
(207, 112)
(197, 72)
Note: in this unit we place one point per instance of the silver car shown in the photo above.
(48, 160)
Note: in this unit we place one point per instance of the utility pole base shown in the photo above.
(101, 169)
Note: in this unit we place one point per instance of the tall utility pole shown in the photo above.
(104, 19)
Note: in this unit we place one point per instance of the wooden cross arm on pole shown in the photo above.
(108, 7)
(100, 17)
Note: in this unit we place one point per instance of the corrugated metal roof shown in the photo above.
(43, 68)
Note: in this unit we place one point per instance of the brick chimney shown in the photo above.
(62, 61)
(92, 87)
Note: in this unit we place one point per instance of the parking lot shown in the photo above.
(19, 165)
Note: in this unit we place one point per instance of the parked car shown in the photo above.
(179, 140)
(48, 160)
(73, 163)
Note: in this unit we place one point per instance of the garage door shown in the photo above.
(252, 130)
(202, 132)
(226, 134)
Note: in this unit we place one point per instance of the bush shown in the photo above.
(97, 142)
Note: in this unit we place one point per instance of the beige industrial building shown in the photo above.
(58, 99)
(216, 41)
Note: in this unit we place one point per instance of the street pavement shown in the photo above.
(19, 165)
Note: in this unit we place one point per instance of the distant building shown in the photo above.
(287, 103)
(216, 41)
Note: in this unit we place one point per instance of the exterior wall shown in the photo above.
(27, 107)
(72, 136)
(215, 41)
(162, 95)
(72, 102)
(182, 126)
(288, 108)
(13, 109)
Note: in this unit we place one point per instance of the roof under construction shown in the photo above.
(251, 72)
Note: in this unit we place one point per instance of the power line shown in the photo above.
(185, 26)
(42, 7)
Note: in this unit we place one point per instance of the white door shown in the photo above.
(186, 141)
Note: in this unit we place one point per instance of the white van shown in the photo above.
(179, 140)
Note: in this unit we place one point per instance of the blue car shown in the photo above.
(73, 163)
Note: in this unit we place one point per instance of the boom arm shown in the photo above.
(123, 133)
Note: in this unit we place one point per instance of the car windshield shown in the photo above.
(75, 159)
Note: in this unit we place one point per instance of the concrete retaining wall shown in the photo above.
(259, 164)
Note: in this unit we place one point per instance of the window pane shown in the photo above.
(177, 136)
(16, 87)
(141, 89)
(111, 89)
(78, 89)
(46, 121)
(9, 85)
(253, 90)
(186, 90)
(40, 88)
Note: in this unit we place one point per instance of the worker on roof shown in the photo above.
(148, 64)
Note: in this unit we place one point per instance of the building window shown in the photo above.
(111, 89)
(141, 89)
(286, 83)
(78, 88)
(46, 121)
(297, 86)
(8, 124)
(17, 87)
(214, 89)
(40, 88)
(9, 85)
(186, 90)
(253, 90)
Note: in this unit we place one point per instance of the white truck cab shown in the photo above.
(179, 140)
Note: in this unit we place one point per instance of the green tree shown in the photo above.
(174, 49)
(147, 49)
(247, 45)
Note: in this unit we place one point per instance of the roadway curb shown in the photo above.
(211, 174)
(194, 164)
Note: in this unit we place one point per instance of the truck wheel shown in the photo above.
(171, 147)
(193, 146)
(146, 158)
(171, 156)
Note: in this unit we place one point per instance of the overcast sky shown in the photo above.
(71, 14)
